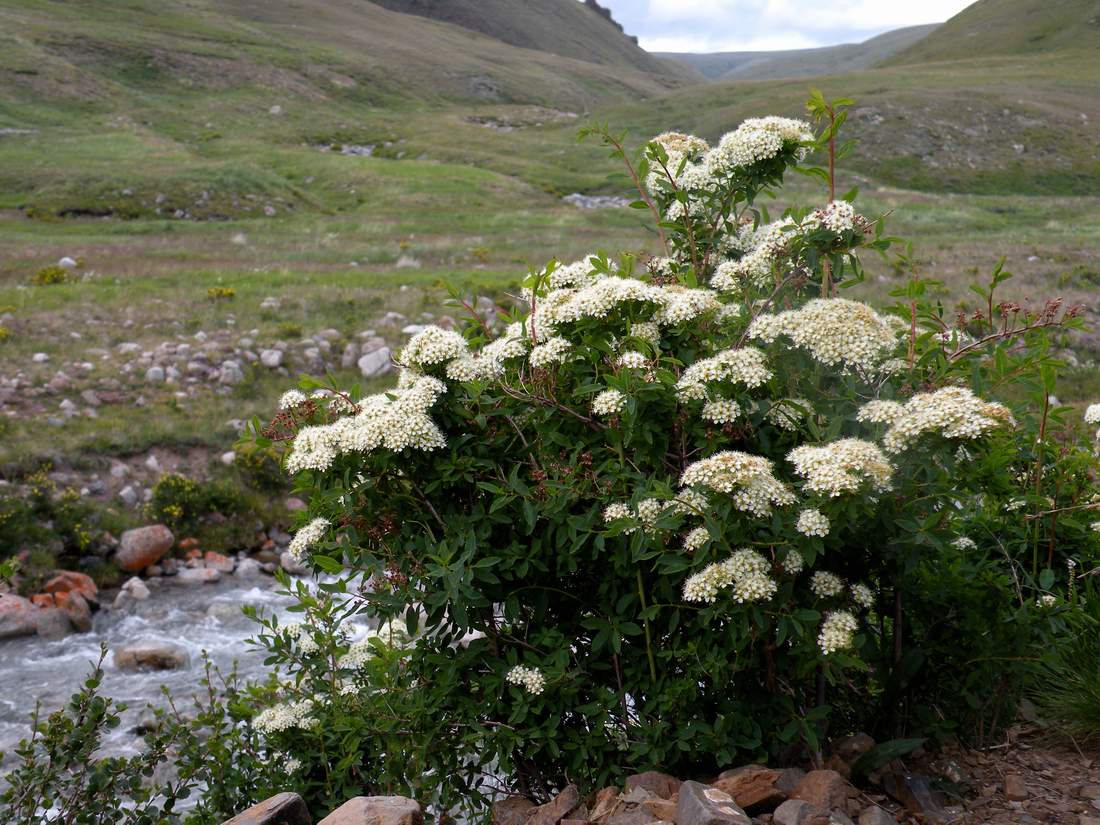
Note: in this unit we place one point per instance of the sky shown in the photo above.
(766, 25)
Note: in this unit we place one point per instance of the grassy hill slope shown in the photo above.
(847, 57)
(562, 27)
(1010, 27)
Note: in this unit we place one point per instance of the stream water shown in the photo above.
(206, 617)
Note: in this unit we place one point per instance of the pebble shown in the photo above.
(40, 358)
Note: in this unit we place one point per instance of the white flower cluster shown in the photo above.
(433, 346)
(756, 139)
(528, 678)
(1092, 414)
(696, 539)
(285, 716)
(748, 479)
(646, 331)
(684, 144)
(841, 466)
(837, 631)
(303, 636)
(632, 360)
(824, 584)
(746, 366)
(880, 412)
(392, 634)
(1046, 601)
(594, 300)
(953, 412)
(755, 268)
(291, 399)
(395, 420)
(680, 305)
(793, 563)
(965, 543)
(787, 413)
(307, 538)
(570, 276)
(512, 344)
(838, 217)
(863, 596)
(554, 351)
(811, 522)
(833, 330)
(609, 402)
(746, 571)
(722, 411)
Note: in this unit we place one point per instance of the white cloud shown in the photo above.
(859, 15)
(720, 43)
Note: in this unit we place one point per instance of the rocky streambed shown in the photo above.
(178, 618)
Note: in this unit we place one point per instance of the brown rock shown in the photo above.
(74, 606)
(659, 784)
(16, 616)
(68, 581)
(219, 562)
(753, 788)
(151, 655)
(788, 780)
(825, 789)
(662, 809)
(700, 804)
(835, 763)
(1015, 788)
(876, 816)
(853, 747)
(197, 575)
(630, 814)
(43, 600)
(797, 812)
(513, 810)
(189, 543)
(143, 546)
(916, 793)
(281, 809)
(558, 809)
(376, 810)
(1089, 792)
(605, 803)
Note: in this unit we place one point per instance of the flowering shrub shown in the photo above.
(688, 509)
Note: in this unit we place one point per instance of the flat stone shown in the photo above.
(701, 804)
(753, 788)
(198, 575)
(512, 810)
(376, 810)
(798, 812)
(662, 809)
(143, 546)
(281, 809)
(558, 809)
(217, 561)
(1015, 788)
(827, 790)
(659, 784)
(16, 616)
(376, 364)
(150, 656)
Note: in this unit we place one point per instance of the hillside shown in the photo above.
(563, 27)
(847, 57)
(321, 50)
(1010, 27)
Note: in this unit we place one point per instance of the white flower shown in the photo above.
(788, 413)
(793, 563)
(1046, 601)
(841, 466)
(609, 402)
(824, 584)
(953, 412)
(632, 361)
(762, 248)
(684, 144)
(595, 300)
(395, 420)
(746, 571)
(680, 304)
(1016, 504)
(306, 538)
(291, 399)
(646, 331)
(554, 351)
(756, 139)
(964, 543)
(833, 330)
(1092, 414)
(837, 216)
(433, 345)
(571, 276)
(528, 678)
(811, 522)
(286, 716)
(746, 366)
(748, 479)
(1095, 526)
(880, 412)
(837, 631)
(722, 411)
(616, 511)
(863, 595)
(696, 539)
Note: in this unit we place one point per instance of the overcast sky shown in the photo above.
(764, 25)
